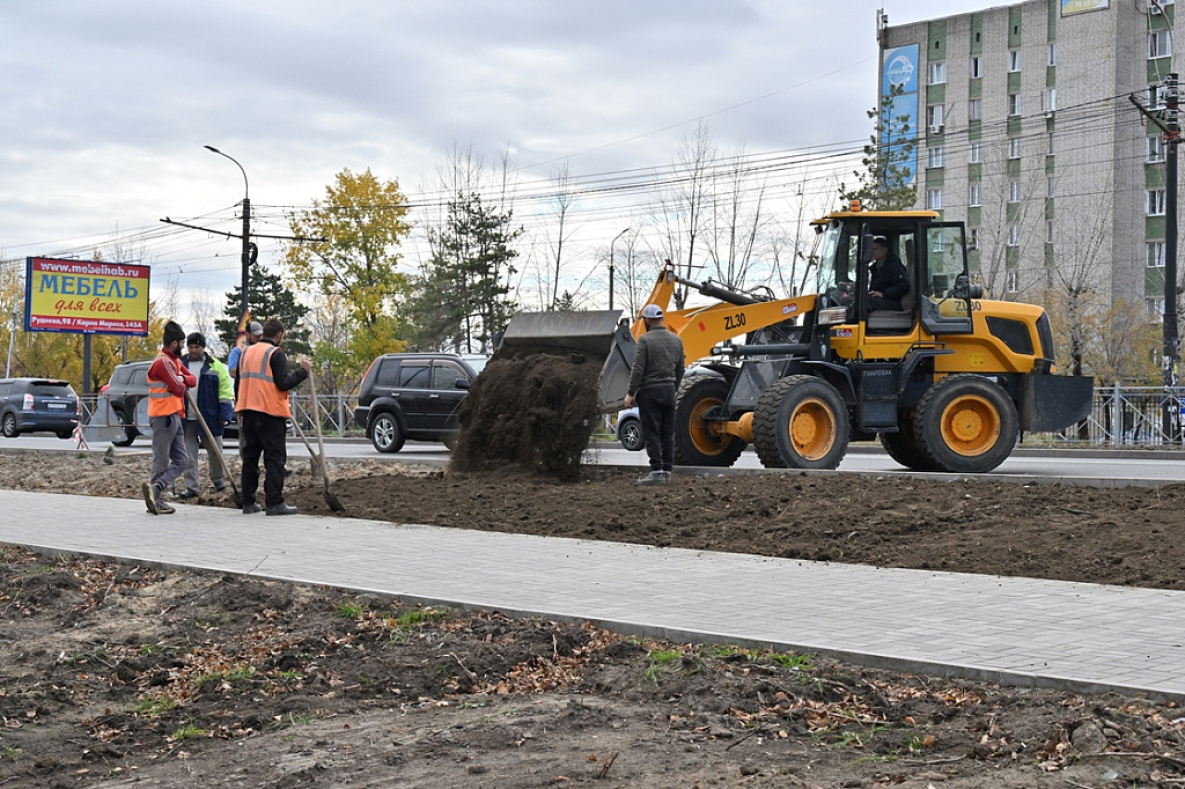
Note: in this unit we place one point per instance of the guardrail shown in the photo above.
(1120, 416)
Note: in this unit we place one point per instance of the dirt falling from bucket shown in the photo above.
(531, 410)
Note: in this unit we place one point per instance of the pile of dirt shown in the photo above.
(534, 410)
(114, 676)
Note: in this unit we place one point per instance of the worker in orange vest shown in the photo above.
(168, 378)
(262, 405)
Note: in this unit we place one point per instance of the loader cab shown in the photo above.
(935, 259)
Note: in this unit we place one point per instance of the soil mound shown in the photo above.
(534, 410)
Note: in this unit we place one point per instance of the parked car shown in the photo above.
(416, 396)
(29, 405)
(629, 429)
(126, 390)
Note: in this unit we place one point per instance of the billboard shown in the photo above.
(1078, 6)
(86, 297)
(900, 111)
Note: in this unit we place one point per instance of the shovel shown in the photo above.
(330, 499)
(318, 464)
(212, 446)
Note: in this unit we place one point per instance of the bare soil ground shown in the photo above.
(114, 675)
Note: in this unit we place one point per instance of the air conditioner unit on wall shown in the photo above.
(936, 128)
(1154, 8)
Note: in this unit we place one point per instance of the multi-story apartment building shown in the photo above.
(1026, 130)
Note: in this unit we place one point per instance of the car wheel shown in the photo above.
(8, 426)
(129, 432)
(630, 433)
(385, 433)
(65, 434)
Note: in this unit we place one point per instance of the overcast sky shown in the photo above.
(108, 103)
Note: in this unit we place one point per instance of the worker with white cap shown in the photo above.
(655, 376)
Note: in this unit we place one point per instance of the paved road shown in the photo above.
(1098, 467)
(1082, 637)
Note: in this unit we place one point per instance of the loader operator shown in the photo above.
(655, 376)
(888, 282)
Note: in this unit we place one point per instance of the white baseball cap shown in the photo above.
(651, 311)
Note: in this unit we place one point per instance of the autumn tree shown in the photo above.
(679, 210)
(269, 298)
(358, 228)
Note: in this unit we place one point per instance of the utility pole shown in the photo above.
(611, 243)
(249, 249)
(1171, 340)
(1170, 349)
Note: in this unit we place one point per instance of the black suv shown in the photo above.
(414, 395)
(32, 404)
(126, 390)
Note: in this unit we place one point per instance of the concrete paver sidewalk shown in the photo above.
(1083, 637)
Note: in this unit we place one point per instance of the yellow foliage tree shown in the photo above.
(360, 225)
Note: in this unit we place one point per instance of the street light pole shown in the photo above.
(611, 243)
(246, 224)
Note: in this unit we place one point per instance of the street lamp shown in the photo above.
(246, 223)
(611, 243)
(16, 313)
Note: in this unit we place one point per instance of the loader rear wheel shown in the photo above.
(700, 398)
(801, 422)
(903, 447)
(967, 424)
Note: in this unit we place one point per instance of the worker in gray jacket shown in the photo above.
(654, 378)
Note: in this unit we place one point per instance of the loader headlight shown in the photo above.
(833, 315)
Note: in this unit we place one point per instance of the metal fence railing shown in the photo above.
(1120, 416)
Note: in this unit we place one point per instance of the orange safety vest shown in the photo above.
(162, 402)
(257, 388)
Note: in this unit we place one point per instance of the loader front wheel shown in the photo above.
(966, 423)
(699, 399)
(801, 422)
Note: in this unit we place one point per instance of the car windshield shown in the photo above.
(478, 363)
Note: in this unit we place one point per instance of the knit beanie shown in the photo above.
(173, 331)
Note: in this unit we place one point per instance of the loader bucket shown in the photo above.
(598, 335)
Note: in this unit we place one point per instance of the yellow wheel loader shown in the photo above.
(948, 382)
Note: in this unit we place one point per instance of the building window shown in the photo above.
(1160, 44)
(975, 197)
(934, 199)
(1049, 186)
(1014, 191)
(1013, 235)
(1155, 202)
(973, 242)
(976, 67)
(975, 110)
(937, 73)
(1013, 60)
(1049, 231)
(935, 157)
(1012, 281)
(1048, 100)
(1155, 148)
(1014, 148)
(1155, 97)
(1155, 254)
(1051, 54)
(935, 116)
(1014, 104)
(1049, 149)
(975, 156)
(1155, 307)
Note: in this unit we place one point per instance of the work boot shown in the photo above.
(219, 487)
(251, 509)
(163, 507)
(188, 495)
(281, 509)
(654, 478)
(149, 491)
